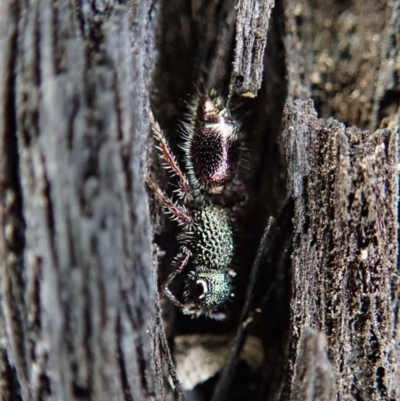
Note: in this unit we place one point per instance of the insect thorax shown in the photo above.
(212, 243)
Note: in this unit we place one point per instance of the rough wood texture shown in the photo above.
(80, 317)
(345, 282)
(252, 23)
(77, 292)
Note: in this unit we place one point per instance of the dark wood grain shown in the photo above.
(80, 316)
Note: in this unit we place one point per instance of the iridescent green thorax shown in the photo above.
(212, 242)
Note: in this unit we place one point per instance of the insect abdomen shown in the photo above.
(211, 145)
(214, 157)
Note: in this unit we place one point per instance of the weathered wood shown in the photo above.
(345, 277)
(251, 38)
(344, 181)
(80, 316)
(77, 287)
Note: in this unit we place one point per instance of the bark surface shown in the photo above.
(315, 87)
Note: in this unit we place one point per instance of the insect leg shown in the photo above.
(170, 162)
(180, 261)
(176, 212)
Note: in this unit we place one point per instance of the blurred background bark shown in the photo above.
(319, 106)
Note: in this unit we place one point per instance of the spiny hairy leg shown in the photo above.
(176, 212)
(180, 261)
(171, 165)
